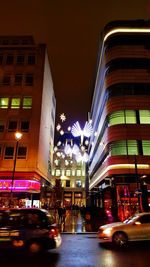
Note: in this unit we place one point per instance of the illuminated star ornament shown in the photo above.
(62, 117)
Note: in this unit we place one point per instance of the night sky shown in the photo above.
(71, 29)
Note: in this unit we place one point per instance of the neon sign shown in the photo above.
(19, 185)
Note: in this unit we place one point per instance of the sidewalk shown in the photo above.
(74, 223)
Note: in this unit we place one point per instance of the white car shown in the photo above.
(135, 228)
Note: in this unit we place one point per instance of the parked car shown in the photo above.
(31, 229)
(135, 228)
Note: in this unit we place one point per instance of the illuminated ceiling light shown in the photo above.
(61, 132)
(62, 117)
(58, 127)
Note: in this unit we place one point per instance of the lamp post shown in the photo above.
(18, 136)
(138, 191)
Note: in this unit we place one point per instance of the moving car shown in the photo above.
(31, 229)
(135, 228)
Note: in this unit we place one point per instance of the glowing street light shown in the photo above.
(18, 136)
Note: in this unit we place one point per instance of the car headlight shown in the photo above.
(107, 231)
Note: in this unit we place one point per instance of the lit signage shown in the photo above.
(19, 185)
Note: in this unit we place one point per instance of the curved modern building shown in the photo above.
(119, 166)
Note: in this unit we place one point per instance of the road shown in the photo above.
(83, 250)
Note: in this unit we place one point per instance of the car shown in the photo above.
(31, 229)
(135, 228)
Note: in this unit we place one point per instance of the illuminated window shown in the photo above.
(22, 152)
(58, 172)
(123, 147)
(12, 126)
(78, 183)
(144, 116)
(29, 79)
(122, 117)
(15, 102)
(146, 147)
(9, 152)
(27, 102)
(78, 172)
(68, 172)
(4, 102)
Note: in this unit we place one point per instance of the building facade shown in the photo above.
(27, 105)
(119, 166)
(68, 177)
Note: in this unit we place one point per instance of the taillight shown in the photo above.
(53, 232)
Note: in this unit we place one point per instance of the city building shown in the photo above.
(119, 166)
(68, 174)
(27, 105)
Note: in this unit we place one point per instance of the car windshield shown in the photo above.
(131, 219)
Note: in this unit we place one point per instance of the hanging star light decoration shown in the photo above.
(58, 127)
(62, 117)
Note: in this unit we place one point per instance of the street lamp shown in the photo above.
(18, 136)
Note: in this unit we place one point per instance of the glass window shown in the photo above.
(144, 116)
(58, 172)
(9, 152)
(12, 126)
(15, 102)
(119, 148)
(67, 183)
(6, 80)
(68, 172)
(2, 126)
(27, 102)
(22, 152)
(123, 147)
(132, 147)
(78, 172)
(146, 147)
(20, 59)
(116, 118)
(122, 116)
(4, 101)
(9, 59)
(29, 79)
(78, 183)
(1, 59)
(31, 59)
(25, 126)
(130, 116)
(18, 79)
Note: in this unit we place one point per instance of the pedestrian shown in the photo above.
(63, 214)
(60, 213)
